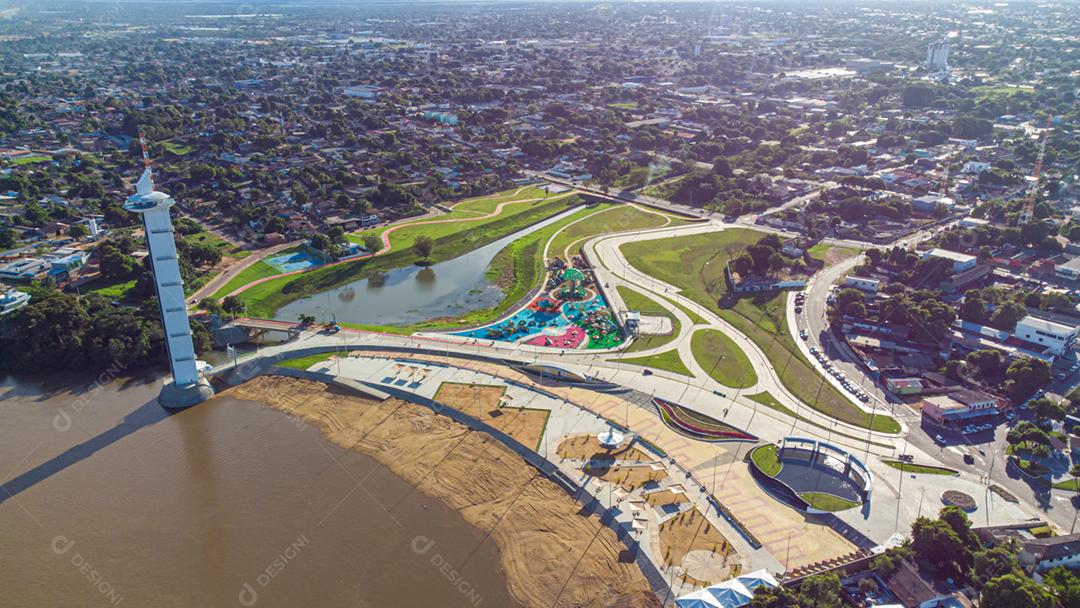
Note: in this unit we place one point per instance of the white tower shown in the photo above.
(186, 387)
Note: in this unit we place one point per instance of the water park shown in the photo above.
(569, 313)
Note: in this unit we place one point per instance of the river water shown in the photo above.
(413, 294)
(113, 501)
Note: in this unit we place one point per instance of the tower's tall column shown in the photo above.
(185, 389)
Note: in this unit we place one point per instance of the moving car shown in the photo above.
(804, 335)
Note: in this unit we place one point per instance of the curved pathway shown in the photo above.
(607, 251)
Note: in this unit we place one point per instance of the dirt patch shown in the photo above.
(626, 466)
(536, 525)
(664, 498)
(486, 402)
(690, 531)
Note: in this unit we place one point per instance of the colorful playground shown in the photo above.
(569, 313)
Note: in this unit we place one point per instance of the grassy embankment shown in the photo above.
(258, 270)
(722, 359)
(302, 363)
(668, 360)
(919, 469)
(617, 218)
(827, 502)
(767, 460)
(695, 264)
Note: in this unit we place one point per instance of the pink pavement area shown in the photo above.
(573, 338)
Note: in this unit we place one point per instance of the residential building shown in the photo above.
(937, 55)
(904, 386)
(1057, 337)
(863, 283)
(24, 269)
(1043, 554)
(1069, 270)
(958, 405)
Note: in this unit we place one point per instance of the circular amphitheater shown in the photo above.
(811, 475)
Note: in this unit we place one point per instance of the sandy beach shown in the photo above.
(552, 556)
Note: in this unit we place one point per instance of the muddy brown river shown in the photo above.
(107, 500)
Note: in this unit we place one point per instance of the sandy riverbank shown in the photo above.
(548, 551)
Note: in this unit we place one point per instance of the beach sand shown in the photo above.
(547, 549)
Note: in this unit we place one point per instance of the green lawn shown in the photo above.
(827, 502)
(114, 290)
(766, 399)
(302, 363)
(454, 239)
(258, 270)
(623, 105)
(695, 318)
(765, 457)
(31, 159)
(175, 148)
(635, 300)
(667, 360)
(1072, 485)
(695, 264)
(621, 219)
(819, 251)
(919, 469)
(225, 247)
(468, 211)
(725, 362)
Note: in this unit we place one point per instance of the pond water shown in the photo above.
(414, 294)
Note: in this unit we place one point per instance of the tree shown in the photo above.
(232, 305)
(1065, 585)
(1025, 376)
(742, 264)
(372, 243)
(211, 306)
(1046, 409)
(8, 238)
(938, 546)
(821, 591)
(1011, 591)
(78, 231)
(424, 246)
(113, 263)
(959, 522)
(994, 562)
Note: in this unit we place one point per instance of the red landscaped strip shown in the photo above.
(670, 411)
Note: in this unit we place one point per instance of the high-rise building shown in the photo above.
(937, 55)
(186, 387)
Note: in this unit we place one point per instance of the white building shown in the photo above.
(937, 55)
(863, 283)
(12, 300)
(362, 91)
(1058, 337)
(1069, 270)
(960, 261)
